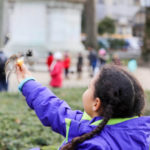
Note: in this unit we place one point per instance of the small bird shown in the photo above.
(18, 59)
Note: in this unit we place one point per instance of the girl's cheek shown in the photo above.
(84, 96)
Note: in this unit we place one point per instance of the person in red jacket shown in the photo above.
(49, 59)
(56, 71)
(66, 65)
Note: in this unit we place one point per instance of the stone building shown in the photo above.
(122, 11)
(139, 22)
(44, 25)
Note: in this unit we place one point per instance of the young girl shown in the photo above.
(112, 120)
(56, 71)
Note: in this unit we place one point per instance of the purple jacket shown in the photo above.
(118, 134)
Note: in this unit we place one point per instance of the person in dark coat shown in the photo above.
(79, 65)
(92, 59)
(3, 83)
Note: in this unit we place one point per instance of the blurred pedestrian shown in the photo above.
(92, 59)
(102, 57)
(56, 71)
(116, 60)
(49, 59)
(3, 83)
(7, 38)
(67, 62)
(79, 65)
(132, 65)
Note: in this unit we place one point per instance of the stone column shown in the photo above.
(27, 27)
(1, 22)
(64, 26)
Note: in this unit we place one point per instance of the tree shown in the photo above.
(90, 23)
(107, 25)
(146, 46)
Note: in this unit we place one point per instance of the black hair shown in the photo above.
(121, 96)
(50, 53)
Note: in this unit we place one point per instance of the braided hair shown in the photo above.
(121, 96)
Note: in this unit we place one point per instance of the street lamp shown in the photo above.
(146, 44)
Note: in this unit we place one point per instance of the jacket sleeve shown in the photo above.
(49, 108)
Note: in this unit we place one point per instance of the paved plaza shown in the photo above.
(142, 74)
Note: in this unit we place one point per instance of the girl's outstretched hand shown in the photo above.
(22, 72)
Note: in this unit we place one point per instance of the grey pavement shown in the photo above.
(142, 74)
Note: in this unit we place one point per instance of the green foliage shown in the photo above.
(20, 129)
(112, 43)
(116, 44)
(107, 25)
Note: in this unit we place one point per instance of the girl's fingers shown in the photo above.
(21, 68)
(17, 69)
(22, 72)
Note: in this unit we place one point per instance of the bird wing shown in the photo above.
(10, 66)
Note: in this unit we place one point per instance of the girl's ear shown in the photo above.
(96, 104)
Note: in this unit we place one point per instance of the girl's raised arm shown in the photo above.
(49, 108)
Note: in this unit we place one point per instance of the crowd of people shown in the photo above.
(59, 65)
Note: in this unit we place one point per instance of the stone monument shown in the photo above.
(44, 25)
